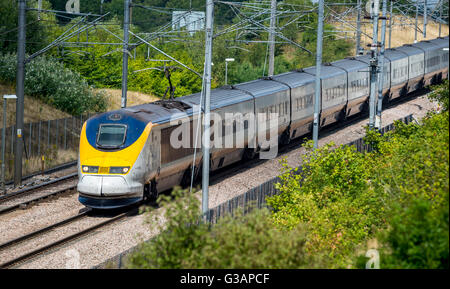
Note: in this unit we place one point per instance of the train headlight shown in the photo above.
(119, 170)
(90, 169)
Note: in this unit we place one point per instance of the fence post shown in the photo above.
(73, 131)
(30, 135)
(12, 140)
(39, 138)
(245, 201)
(48, 134)
(65, 133)
(57, 135)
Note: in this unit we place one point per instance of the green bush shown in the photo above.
(416, 177)
(418, 237)
(440, 94)
(244, 242)
(398, 194)
(49, 81)
(334, 196)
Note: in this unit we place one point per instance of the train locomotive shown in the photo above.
(126, 155)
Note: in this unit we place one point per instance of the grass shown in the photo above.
(34, 110)
(133, 98)
(34, 164)
(402, 33)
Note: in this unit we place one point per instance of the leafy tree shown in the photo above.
(54, 84)
(37, 32)
(418, 237)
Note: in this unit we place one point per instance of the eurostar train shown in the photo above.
(126, 155)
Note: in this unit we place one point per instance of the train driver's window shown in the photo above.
(111, 135)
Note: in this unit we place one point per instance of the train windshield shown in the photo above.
(111, 135)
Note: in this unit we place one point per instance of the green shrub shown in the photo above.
(440, 94)
(416, 177)
(245, 242)
(418, 237)
(398, 194)
(416, 165)
(334, 196)
(49, 81)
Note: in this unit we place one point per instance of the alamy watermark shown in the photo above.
(374, 259)
(228, 130)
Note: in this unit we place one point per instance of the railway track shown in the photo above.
(25, 197)
(46, 172)
(32, 240)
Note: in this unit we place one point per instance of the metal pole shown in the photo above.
(391, 17)
(358, 29)
(3, 144)
(381, 67)
(273, 9)
(417, 23)
(441, 3)
(226, 72)
(373, 64)
(425, 20)
(207, 116)
(126, 22)
(318, 68)
(20, 81)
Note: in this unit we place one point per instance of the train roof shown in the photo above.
(394, 54)
(409, 50)
(261, 87)
(220, 97)
(366, 59)
(440, 42)
(350, 64)
(294, 78)
(149, 112)
(425, 45)
(326, 71)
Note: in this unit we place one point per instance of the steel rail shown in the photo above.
(47, 171)
(34, 200)
(36, 187)
(43, 230)
(59, 242)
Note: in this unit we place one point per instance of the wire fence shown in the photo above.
(253, 198)
(49, 141)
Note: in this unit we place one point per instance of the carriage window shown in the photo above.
(111, 135)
